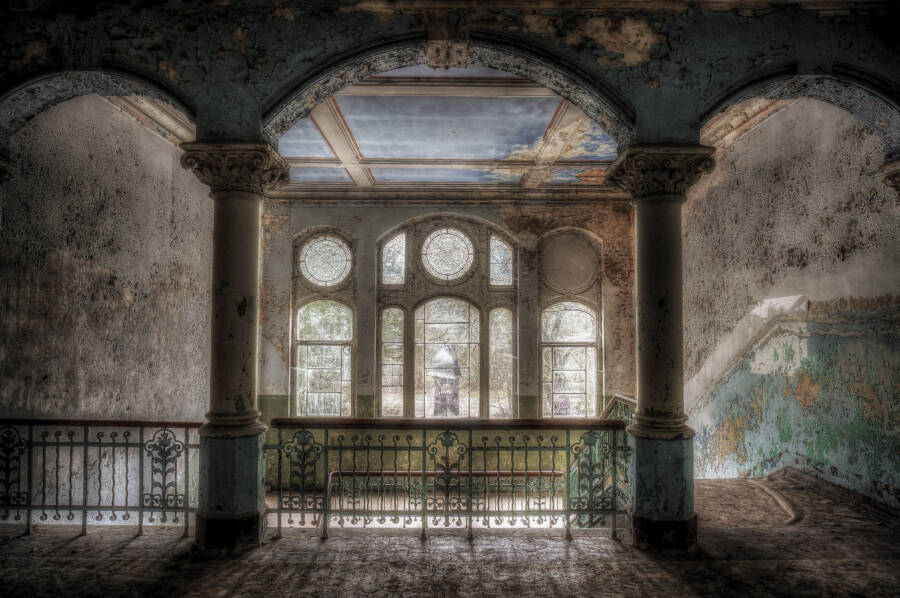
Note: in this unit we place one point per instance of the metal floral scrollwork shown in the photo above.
(164, 450)
(303, 454)
(12, 447)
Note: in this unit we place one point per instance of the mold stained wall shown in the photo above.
(612, 223)
(797, 207)
(105, 250)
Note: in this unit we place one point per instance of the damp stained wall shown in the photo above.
(105, 255)
(796, 207)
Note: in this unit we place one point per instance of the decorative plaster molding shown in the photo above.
(235, 166)
(654, 170)
(891, 171)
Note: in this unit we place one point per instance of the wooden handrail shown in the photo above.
(97, 423)
(447, 424)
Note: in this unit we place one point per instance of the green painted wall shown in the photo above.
(820, 396)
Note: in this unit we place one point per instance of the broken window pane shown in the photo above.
(501, 262)
(446, 359)
(322, 359)
(569, 360)
(392, 362)
(501, 363)
(447, 253)
(394, 260)
(325, 260)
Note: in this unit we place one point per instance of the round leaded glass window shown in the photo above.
(447, 253)
(325, 260)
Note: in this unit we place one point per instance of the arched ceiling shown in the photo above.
(420, 127)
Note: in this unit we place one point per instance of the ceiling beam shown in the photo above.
(328, 118)
(493, 165)
(450, 87)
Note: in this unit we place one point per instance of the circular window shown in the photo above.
(447, 253)
(325, 260)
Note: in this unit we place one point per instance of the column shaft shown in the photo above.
(662, 462)
(231, 513)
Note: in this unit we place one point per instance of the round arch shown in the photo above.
(860, 95)
(597, 100)
(23, 102)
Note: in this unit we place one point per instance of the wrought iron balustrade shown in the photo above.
(92, 472)
(466, 474)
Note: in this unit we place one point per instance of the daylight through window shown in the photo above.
(322, 359)
(569, 360)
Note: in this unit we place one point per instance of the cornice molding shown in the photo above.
(248, 166)
(652, 171)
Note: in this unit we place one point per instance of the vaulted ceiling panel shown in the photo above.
(434, 127)
(319, 175)
(450, 175)
(304, 140)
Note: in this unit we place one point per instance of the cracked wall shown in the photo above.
(796, 207)
(105, 250)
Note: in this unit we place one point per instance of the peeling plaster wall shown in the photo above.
(612, 223)
(105, 250)
(797, 207)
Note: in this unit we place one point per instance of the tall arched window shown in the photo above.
(569, 334)
(447, 380)
(322, 359)
(447, 322)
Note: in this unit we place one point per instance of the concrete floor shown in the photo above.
(777, 536)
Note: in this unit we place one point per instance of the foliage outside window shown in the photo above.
(569, 360)
(393, 260)
(322, 359)
(392, 362)
(501, 363)
(501, 262)
(446, 359)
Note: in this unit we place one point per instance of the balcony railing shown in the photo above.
(466, 474)
(94, 472)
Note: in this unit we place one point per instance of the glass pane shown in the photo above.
(325, 260)
(324, 320)
(501, 262)
(447, 359)
(568, 322)
(392, 362)
(394, 260)
(569, 381)
(447, 253)
(322, 382)
(501, 363)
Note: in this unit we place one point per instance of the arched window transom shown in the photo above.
(447, 254)
(325, 260)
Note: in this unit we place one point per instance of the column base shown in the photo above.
(231, 514)
(230, 535)
(676, 535)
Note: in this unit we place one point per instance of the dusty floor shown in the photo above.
(771, 537)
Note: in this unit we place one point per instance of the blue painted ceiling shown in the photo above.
(430, 126)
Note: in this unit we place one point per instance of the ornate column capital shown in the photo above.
(891, 172)
(249, 166)
(661, 170)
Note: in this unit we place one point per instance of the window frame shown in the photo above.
(296, 342)
(595, 344)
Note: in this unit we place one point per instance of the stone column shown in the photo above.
(231, 514)
(657, 176)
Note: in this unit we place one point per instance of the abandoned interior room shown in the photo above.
(398, 297)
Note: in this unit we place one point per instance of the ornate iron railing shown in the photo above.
(467, 474)
(91, 472)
